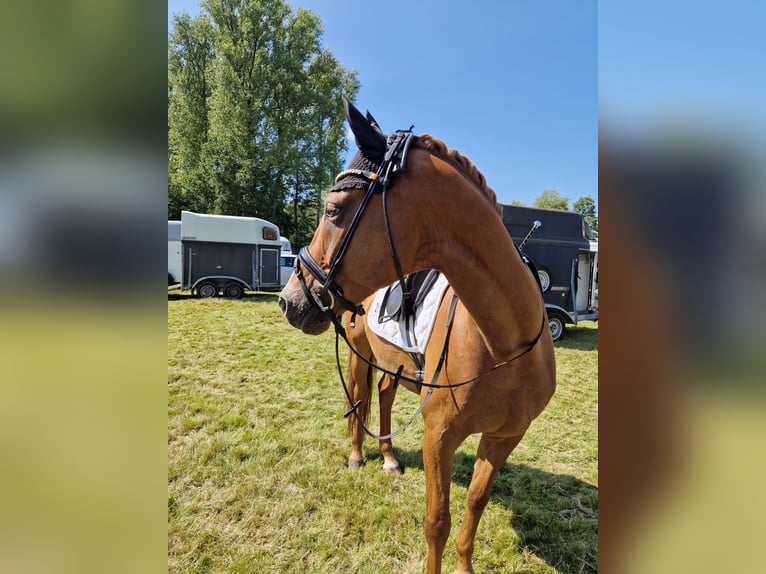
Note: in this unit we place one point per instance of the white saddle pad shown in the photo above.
(396, 332)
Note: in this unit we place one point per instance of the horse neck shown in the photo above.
(468, 242)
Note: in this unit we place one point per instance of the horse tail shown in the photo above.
(355, 365)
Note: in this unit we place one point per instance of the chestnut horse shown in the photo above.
(489, 364)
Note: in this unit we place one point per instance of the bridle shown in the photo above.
(397, 147)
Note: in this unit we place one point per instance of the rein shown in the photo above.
(397, 147)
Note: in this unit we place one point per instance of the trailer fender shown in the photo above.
(233, 287)
(556, 309)
(220, 280)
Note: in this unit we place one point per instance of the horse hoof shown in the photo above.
(355, 464)
(393, 469)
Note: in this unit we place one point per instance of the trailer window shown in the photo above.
(270, 233)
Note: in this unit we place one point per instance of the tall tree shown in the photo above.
(550, 199)
(190, 55)
(327, 81)
(586, 206)
(248, 37)
(273, 115)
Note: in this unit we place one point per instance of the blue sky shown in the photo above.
(510, 84)
(691, 62)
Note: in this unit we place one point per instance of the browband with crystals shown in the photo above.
(371, 175)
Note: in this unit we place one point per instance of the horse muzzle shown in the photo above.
(300, 312)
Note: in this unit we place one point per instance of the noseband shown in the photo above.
(397, 147)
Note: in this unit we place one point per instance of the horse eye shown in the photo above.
(331, 210)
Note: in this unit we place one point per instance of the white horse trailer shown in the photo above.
(228, 254)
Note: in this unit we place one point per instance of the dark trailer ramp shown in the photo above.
(566, 259)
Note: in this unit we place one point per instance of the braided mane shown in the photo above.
(452, 156)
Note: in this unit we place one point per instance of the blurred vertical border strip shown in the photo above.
(83, 192)
(681, 387)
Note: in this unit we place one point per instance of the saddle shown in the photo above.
(397, 308)
(407, 322)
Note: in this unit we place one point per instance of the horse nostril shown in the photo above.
(282, 304)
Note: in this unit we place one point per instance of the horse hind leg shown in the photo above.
(386, 396)
(490, 457)
(359, 383)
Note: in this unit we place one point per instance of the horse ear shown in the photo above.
(368, 135)
(373, 122)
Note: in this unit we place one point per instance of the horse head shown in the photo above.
(334, 273)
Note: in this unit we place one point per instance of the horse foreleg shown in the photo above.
(359, 389)
(490, 457)
(386, 395)
(438, 458)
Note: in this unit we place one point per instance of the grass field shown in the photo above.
(257, 449)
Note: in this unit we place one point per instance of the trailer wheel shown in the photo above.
(233, 291)
(207, 289)
(557, 325)
(545, 279)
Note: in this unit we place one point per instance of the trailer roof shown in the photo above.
(557, 225)
(227, 229)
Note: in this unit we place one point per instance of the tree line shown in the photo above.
(255, 121)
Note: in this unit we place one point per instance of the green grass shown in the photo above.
(257, 449)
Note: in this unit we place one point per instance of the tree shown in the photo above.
(550, 199)
(586, 206)
(518, 203)
(321, 157)
(190, 55)
(245, 154)
(271, 111)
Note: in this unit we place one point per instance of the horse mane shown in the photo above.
(452, 156)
